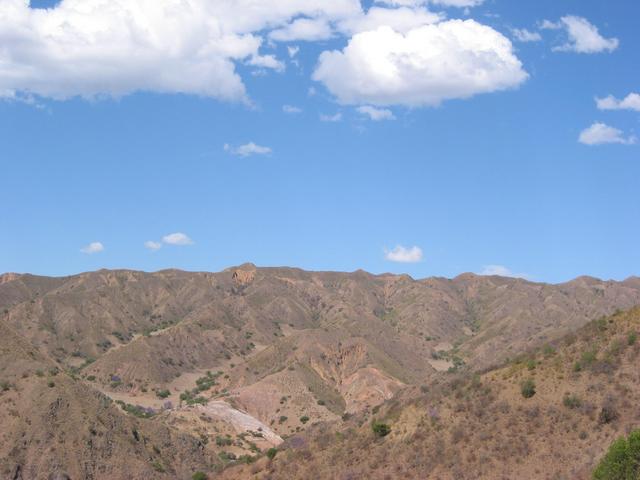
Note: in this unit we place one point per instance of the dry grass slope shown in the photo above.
(89, 359)
(483, 426)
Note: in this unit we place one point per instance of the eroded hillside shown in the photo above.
(549, 414)
(229, 364)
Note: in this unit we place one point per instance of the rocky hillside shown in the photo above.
(221, 366)
(55, 426)
(549, 414)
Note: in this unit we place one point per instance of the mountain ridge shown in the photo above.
(10, 276)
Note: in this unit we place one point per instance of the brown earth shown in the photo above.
(481, 426)
(293, 350)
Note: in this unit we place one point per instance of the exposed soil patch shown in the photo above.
(241, 421)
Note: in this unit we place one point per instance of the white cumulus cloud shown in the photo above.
(94, 48)
(247, 149)
(402, 254)
(425, 66)
(601, 133)
(94, 247)
(630, 102)
(376, 114)
(177, 238)
(583, 37)
(501, 271)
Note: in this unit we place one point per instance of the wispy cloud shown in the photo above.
(94, 247)
(502, 271)
(305, 29)
(601, 133)
(267, 61)
(177, 238)
(331, 118)
(376, 114)
(525, 36)
(151, 245)
(291, 109)
(583, 37)
(402, 254)
(247, 149)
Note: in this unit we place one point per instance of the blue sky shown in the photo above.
(522, 173)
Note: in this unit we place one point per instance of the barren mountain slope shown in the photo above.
(281, 347)
(550, 414)
(52, 424)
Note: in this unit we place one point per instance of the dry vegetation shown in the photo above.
(483, 426)
(120, 374)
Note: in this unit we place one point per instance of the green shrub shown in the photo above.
(531, 364)
(190, 398)
(616, 348)
(622, 461)
(601, 323)
(304, 419)
(223, 441)
(528, 388)
(163, 393)
(572, 401)
(136, 410)
(380, 429)
(206, 382)
(158, 467)
(608, 413)
(246, 459)
(271, 453)
(282, 419)
(632, 338)
(120, 336)
(227, 456)
(199, 476)
(588, 357)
